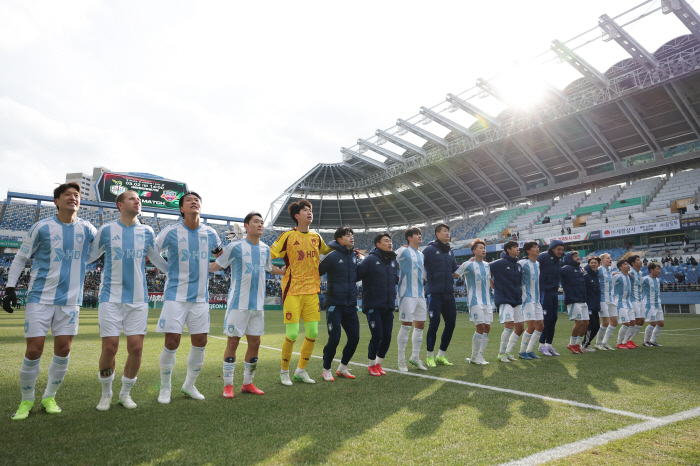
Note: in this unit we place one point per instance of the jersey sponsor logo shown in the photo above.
(66, 255)
(119, 253)
(116, 238)
(193, 255)
(301, 255)
(168, 195)
(250, 268)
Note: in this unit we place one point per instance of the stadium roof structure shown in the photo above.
(631, 121)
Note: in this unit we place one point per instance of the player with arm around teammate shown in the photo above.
(636, 297)
(249, 259)
(531, 307)
(592, 301)
(412, 306)
(506, 274)
(608, 306)
(574, 286)
(123, 293)
(651, 304)
(550, 275)
(622, 289)
(60, 246)
(186, 294)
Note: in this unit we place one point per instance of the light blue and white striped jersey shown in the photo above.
(248, 262)
(622, 289)
(530, 280)
(606, 284)
(477, 278)
(411, 272)
(60, 252)
(651, 293)
(125, 249)
(636, 279)
(188, 261)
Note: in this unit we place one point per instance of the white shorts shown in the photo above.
(577, 311)
(176, 314)
(412, 309)
(532, 311)
(654, 315)
(480, 314)
(608, 309)
(39, 318)
(625, 315)
(508, 313)
(638, 312)
(239, 322)
(115, 317)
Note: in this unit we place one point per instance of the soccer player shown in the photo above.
(123, 293)
(477, 278)
(592, 302)
(532, 309)
(379, 275)
(301, 250)
(506, 274)
(622, 289)
(550, 276)
(574, 286)
(608, 305)
(186, 294)
(340, 268)
(412, 308)
(249, 259)
(440, 268)
(636, 297)
(60, 246)
(651, 302)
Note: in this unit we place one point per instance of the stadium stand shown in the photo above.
(530, 215)
(682, 185)
(557, 216)
(18, 217)
(497, 226)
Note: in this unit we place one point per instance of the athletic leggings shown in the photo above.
(593, 327)
(337, 317)
(550, 308)
(381, 323)
(441, 303)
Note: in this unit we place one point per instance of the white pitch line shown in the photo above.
(495, 389)
(570, 449)
(681, 329)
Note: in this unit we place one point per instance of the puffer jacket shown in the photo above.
(572, 281)
(379, 273)
(439, 262)
(506, 274)
(550, 268)
(340, 266)
(592, 289)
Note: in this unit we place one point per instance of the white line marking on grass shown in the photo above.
(495, 389)
(569, 449)
(681, 329)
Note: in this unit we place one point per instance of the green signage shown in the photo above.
(6, 243)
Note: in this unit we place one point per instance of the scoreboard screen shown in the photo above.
(154, 192)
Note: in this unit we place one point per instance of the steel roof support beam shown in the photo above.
(421, 132)
(612, 31)
(358, 210)
(381, 151)
(563, 148)
(442, 191)
(420, 194)
(484, 177)
(685, 13)
(598, 137)
(501, 162)
(379, 213)
(589, 72)
(473, 110)
(491, 89)
(401, 143)
(534, 160)
(683, 106)
(636, 120)
(351, 154)
(463, 186)
(353, 168)
(403, 199)
(447, 123)
(340, 211)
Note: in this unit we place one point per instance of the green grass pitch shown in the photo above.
(395, 419)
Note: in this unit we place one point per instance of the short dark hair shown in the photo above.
(509, 245)
(342, 231)
(378, 238)
(651, 266)
(621, 262)
(594, 258)
(62, 188)
(440, 226)
(410, 232)
(529, 245)
(632, 259)
(182, 200)
(121, 197)
(295, 207)
(476, 242)
(250, 216)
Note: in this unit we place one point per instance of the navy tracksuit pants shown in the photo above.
(441, 304)
(593, 327)
(381, 323)
(550, 308)
(337, 317)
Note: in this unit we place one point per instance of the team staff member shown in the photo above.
(593, 302)
(379, 275)
(550, 276)
(301, 250)
(440, 267)
(506, 274)
(340, 267)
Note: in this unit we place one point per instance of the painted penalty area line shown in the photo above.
(492, 388)
(570, 449)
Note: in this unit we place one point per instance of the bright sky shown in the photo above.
(240, 99)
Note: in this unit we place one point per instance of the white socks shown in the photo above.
(249, 371)
(512, 341)
(484, 342)
(655, 333)
(167, 362)
(106, 384)
(127, 384)
(476, 344)
(27, 378)
(647, 332)
(621, 334)
(57, 372)
(228, 371)
(504, 340)
(525, 342)
(402, 339)
(342, 367)
(195, 361)
(416, 342)
(533, 341)
(608, 334)
(601, 335)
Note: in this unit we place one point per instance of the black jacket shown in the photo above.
(550, 268)
(592, 289)
(440, 264)
(340, 266)
(379, 273)
(506, 274)
(573, 282)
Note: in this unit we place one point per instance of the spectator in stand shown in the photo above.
(645, 261)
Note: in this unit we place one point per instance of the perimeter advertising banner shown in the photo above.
(638, 229)
(154, 192)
